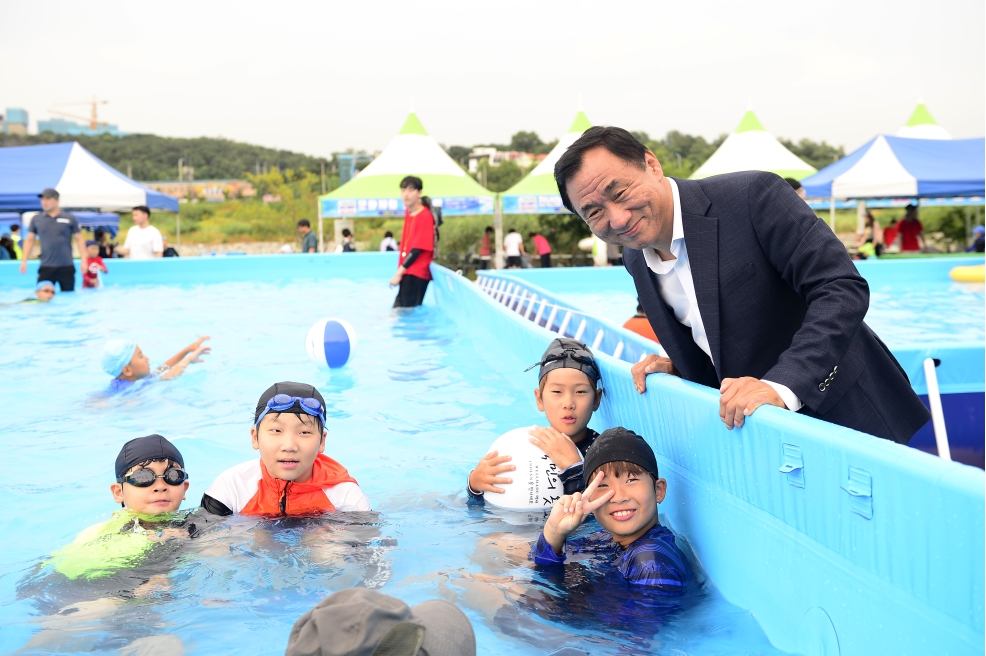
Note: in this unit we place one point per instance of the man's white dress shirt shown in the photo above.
(674, 279)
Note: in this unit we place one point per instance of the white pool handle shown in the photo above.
(937, 415)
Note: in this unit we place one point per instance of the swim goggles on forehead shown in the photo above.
(580, 356)
(282, 402)
(144, 477)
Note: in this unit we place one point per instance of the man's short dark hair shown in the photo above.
(15, 228)
(511, 230)
(794, 183)
(304, 223)
(142, 208)
(531, 235)
(616, 140)
(388, 234)
(412, 181)
(346, 233)
(489, 228)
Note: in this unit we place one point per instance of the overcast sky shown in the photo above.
(318, 77)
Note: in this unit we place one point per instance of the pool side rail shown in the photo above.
(836, 541)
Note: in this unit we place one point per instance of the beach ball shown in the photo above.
(536, 485)
(330, 343)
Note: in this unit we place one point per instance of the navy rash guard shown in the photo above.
(653, 559)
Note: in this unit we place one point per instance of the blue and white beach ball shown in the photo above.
(330, 343)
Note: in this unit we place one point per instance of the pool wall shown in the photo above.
(960, 375)
(836, 541)
(192, 270)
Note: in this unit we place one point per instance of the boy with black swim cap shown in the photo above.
(293, 475)
(622, 492)
(150, 485)
(568, 393)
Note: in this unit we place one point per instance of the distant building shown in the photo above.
(213, 191)
(64, 126)
(497, 157)
(15, 121)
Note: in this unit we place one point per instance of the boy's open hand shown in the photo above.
(486, 475)
(194, 346)
(195, 355)
(559, 447)
(570, 511)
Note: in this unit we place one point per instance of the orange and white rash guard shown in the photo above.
(249, 489)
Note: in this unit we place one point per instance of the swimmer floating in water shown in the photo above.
(44, 292)
(124, 360)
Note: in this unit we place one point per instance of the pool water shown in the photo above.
(932, 313)
(416, 407)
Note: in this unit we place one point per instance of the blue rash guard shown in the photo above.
(653, 559)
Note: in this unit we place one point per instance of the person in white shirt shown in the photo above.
(388, 243)
(143, 241)
(748, 291)
(513, 248)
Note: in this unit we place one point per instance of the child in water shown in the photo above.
(293, 475)
(622, 492)
(124, 360)
(150, 485)
(44, 291)
(568, 393)
(90, 277)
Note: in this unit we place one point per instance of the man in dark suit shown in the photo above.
(747, 290)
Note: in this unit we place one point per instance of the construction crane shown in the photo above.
(93, 118)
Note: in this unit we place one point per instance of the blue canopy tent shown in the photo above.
(82, 180)
(108, 221)
(899, 167)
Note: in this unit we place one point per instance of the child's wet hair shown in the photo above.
(619, 468)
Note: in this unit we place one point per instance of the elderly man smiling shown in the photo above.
(748, 291)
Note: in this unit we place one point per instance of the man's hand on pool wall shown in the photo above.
(652, 364)
(486, 476)
(741, 396)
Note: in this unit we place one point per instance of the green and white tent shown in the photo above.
(751, 148)
(537, 193)
(922, 126)
(376, 190)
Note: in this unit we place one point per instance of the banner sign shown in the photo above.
(370, 207)
(541, 204)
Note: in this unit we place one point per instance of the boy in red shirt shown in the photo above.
(543, 249)
(417, 246)
(90, 277)
(911, 232)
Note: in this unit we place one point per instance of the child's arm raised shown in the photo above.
(194, 346)
(570, 511)
(178, 368)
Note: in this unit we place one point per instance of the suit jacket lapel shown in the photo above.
(702, 244)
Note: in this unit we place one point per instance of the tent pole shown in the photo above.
(498, 231)
(861, 217)
(321, 242)
(968, 227)
(178, 227)
(832, 213)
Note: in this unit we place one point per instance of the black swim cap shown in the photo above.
(565, 353)
(291, 389)
(142, 449)
(619, 445)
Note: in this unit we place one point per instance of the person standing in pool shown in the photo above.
(55, 228)
(417, 246)
(749, 292)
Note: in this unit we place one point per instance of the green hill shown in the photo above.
(151, 157)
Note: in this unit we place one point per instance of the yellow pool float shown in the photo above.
(968, 273)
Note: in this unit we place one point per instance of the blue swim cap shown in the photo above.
(42, 284)
(117, 354)
(978, 229)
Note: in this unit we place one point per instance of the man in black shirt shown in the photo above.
(55, 229)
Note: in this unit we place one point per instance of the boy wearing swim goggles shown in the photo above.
(293, 475)
(150, 485)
